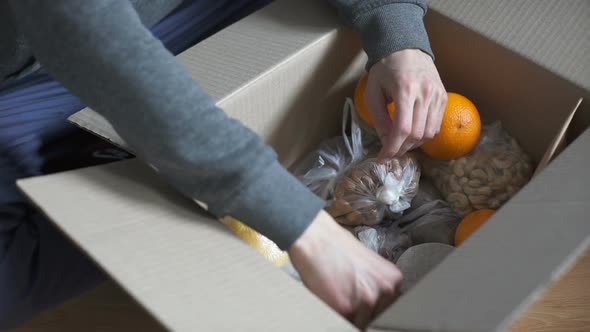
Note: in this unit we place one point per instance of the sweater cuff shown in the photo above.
(276, 205)
(390, 28)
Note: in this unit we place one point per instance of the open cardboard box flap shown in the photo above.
(192, 275)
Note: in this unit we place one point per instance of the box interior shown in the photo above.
(295, 104)
(531, 102)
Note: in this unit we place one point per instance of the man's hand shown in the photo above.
(410, 80)
(355, 281)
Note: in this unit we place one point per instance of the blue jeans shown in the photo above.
(39, 266)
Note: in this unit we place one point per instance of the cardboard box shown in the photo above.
(285, 72)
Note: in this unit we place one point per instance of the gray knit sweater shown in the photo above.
(163, 114)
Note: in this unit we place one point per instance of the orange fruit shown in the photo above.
(267, 248)
(459, 131)
(471, 223)
(360, 104)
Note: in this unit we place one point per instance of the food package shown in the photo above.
(370, 191)
(487, 177)
(387, 239)
(430, 219)
(319, 170)
(266, 247)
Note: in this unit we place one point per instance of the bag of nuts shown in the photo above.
(429, 219)
(370, 191)
(320, 169)
(487, 177)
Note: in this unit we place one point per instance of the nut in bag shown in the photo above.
(487, 177)
(322, 167)
(370, 191)
(429, 219)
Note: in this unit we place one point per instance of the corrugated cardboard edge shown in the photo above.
(558, 143)
(552, 34)
(92, 122)
(567, 265)
(457, 288)
(182, 266)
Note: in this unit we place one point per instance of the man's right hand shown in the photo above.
(339, 269)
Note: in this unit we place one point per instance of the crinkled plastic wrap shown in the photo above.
(487, 177)
(430, 219)
(388, 240)
(323, 166)
(370, 191)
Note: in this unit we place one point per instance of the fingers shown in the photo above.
(384, 302)
(419, 119)
(364, 313)
(410, 80)
(401, 126)
(436, 113)
(374, 300)
(377, 105)
(437, 110)
(389, 294)
(441, 106)
(425, 116)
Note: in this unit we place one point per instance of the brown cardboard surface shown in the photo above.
(501, 267)
(553, 34)
(184, 267)
(503, 85)
(146, 236)
(559, 141)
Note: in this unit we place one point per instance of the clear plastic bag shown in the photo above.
(323, 166)
(430, 219)
(388, 240)
(487, 177)
(337, 169)
(370, 191)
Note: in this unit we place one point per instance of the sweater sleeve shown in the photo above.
(101, 52)
(386, 26)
